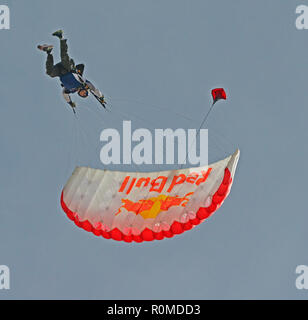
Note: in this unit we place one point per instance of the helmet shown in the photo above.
(83, 93)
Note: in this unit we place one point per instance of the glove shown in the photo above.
(102, 99)
(72, 104)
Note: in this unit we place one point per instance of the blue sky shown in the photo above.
(168, 54)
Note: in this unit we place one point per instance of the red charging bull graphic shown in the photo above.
(150, 208)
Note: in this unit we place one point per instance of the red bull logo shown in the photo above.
(160, 183)
(150, 208)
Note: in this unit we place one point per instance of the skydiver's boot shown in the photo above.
(58, 33)
(45, 47)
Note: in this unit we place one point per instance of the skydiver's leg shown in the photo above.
(66, 61)
(51, 69)
(49, 64)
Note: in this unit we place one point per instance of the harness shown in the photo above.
(70, 82)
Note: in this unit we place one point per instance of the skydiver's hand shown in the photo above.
(72, 104)
(102, 99)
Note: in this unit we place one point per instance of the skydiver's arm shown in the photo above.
(67, 98)
(94, 90)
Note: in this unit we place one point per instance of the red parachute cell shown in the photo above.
(218, 94)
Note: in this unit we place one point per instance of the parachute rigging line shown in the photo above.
(198, 132)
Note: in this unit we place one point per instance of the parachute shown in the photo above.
(146, 206)
(218, 94)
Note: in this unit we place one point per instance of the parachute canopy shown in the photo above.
(218, 94)
(146, 206)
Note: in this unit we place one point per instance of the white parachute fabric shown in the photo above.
(131, 202)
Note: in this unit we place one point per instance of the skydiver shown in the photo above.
(69, 74)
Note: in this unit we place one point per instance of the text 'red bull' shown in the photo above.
(158, 184)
